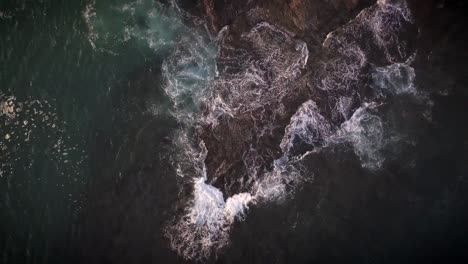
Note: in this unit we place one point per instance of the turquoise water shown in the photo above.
(61, 63)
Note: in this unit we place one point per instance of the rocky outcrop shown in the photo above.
(308, 19)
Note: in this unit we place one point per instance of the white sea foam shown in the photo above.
(307, 126)
(210, 208)
(387, 24)
(371, 136)
(377, 29)
(345, 70)
(205, 226)
(365, 131)
(89, 14)
(280, 182)
(187, 74)
(396, 78)
(344, 106)
(384, 22)
(260, 77)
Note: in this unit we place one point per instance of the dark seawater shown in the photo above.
(132, 132)
(47, 57)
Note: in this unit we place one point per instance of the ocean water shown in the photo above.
(62, 65)
(131, 134)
